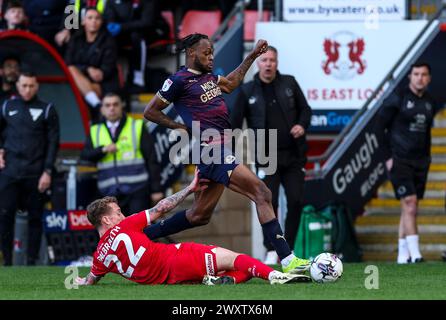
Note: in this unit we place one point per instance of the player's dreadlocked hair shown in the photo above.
(190, 40)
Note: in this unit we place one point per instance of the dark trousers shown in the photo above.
(135, 202)
(20, 194)
(139, 43)
(291, 175)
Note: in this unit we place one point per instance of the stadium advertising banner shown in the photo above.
(344, 10)
(78, 220)
(66, 220)
(338, 65)
(358, 170)
(55, 221)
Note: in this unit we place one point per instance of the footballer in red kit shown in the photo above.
(126, 250)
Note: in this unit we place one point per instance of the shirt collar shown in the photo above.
(112, 124)
(192, 70)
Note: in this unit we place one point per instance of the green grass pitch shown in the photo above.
(414, 281)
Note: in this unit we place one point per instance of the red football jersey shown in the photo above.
(126, 250)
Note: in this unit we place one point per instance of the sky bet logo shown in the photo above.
(63, 220)
(78, 220)
(55, 221)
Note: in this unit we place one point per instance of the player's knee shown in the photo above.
(410, 204)
(262, 194)
(199, 217)
(200, 220)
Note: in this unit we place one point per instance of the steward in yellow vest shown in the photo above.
(83, 4)
(123, 151)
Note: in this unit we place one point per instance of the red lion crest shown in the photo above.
(356, 50)
(331, 49)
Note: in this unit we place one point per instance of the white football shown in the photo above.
(326, 267)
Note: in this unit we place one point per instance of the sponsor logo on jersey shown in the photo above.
(210, 269)
(166, 85)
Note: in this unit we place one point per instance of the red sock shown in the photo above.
(253, 266)
(239, 276)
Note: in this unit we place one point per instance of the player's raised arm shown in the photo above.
(231, 81)
(171, 202)
(153, 112)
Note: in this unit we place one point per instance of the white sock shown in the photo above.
(412, 243)
(403, 251)
(92, 99)
(138, 78)
(286, 261)
(273, 274)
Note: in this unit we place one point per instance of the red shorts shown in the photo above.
(192, 262)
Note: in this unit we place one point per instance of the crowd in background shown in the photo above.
(95, 36)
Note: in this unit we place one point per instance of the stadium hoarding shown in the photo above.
(170, 172)
(330, 120)
(55, 221)
(78, 220)
(355, 170)
(338, 65)
(344, 10)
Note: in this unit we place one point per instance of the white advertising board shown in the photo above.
(344, 10)
(338, 65)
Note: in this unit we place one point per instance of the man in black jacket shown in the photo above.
(275, 101)
(406, 119)
(29, 142)
(137, 23)
(91, 57)
(45, 16)
(125, 156)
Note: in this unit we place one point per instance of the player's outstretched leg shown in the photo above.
(229, 260)
(247, 183)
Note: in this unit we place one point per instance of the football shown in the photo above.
(326, 267)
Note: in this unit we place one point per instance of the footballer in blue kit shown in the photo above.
(196, 94)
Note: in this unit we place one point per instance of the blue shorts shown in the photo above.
(218, 168)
